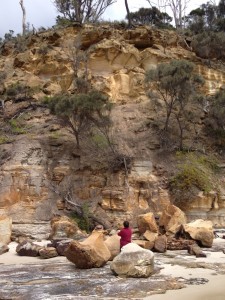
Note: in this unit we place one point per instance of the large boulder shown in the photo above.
(5, 229)
(172, 218)
(133, 261)
(200, 231)
(113, 244)
(161, 244)
(64, 227)
(91, 253)
(147, 222)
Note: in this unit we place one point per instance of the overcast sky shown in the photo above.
(43, 13)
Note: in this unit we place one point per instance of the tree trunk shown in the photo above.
(24, 17)
(128, 14)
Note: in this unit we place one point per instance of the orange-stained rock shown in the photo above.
(113, 244)
(64, 227)
(172, 218)
(91, 253)
(200, 231)
(147, 222)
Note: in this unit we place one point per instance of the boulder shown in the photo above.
(147, 222)
(201, 231)
(48, 252)
(144, 244)
(64, 227)
(5, 229)
(91, 253)
(150, 236)
(172, 218)
(196, 250)
(133, 261)
(3, 248)
(161, 244)
(27, 248)
(61, 245)
(113, 244)
(179, 244)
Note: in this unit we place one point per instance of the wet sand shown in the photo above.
(213, 290)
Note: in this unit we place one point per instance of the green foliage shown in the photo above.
(100, 141)
(194, 173)
(19, 91)
(215, 120)
(150, 16)
(83, 221)
(17, 127)
(209, 45)
(79, 111)
(177, 90)
(44, 49)
(4, 139)
(82, 11)
(63, 22)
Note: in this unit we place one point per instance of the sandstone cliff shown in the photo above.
(40, 165)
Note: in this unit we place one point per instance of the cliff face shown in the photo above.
(41, 167)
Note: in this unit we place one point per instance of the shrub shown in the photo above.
(17, 127)
(82, 220)
(195, 173)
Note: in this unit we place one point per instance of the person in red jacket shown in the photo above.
(125, 234)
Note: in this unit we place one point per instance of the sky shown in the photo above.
(42, 13)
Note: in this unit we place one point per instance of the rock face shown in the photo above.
(133, 261)
(91, 253)
(40, 163)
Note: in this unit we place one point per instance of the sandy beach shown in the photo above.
(12, 258)
(214, 289)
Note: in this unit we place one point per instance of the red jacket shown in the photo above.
(125, 234)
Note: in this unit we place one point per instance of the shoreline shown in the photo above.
(192, 271)
(214, 289)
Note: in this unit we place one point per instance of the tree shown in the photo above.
(150, 16)
(209, 45)
(178, 8)
(82, 11)
(24, 16)
(215, 121)
(176, 86)
(79, 111)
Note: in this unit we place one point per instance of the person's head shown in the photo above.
(126, 224)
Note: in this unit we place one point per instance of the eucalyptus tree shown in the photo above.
(178, 8)
(24, 16)
(176, 88)
(82, 11)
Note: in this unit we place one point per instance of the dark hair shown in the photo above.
(126, 224)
